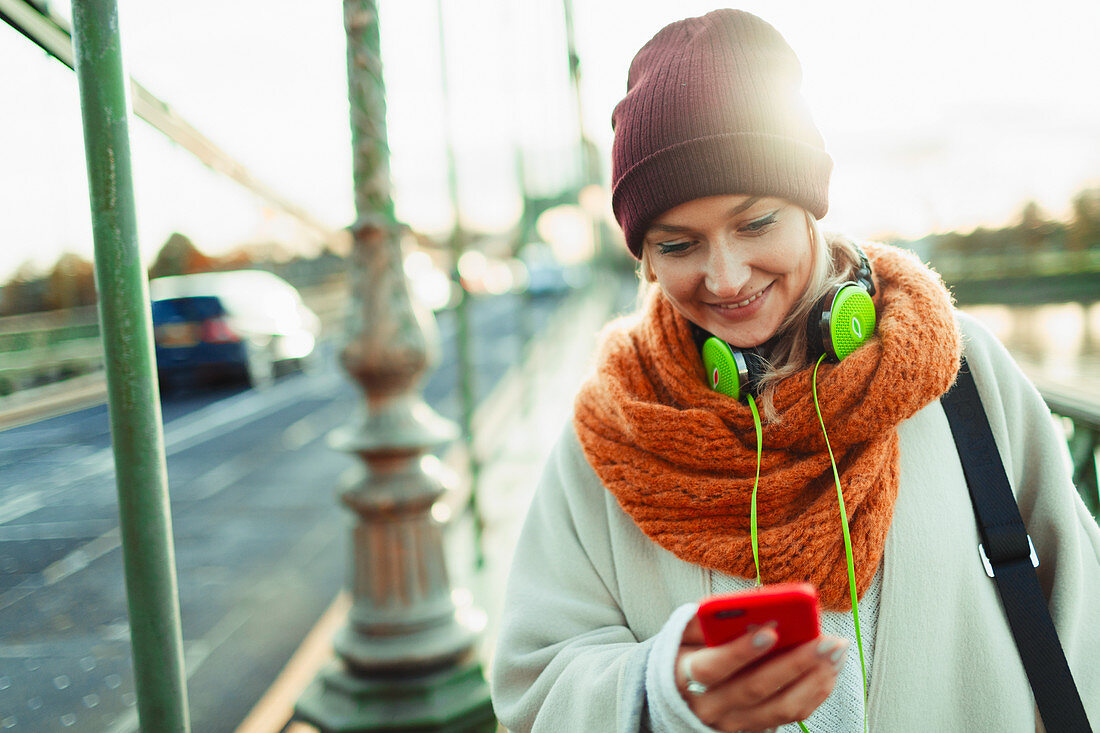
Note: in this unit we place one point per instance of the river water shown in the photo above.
(1057, 344)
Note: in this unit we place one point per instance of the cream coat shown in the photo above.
(591, 605)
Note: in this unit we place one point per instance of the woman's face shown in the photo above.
(734, 265)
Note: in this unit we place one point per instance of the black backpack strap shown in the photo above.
(1009, 559)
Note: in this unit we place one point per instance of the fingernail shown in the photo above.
(763, 638)
(838, 655)
(825, 646)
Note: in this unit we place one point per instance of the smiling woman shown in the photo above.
(734, 265)
(668, 487)
(774, 246)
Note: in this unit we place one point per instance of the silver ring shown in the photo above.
(694, 686)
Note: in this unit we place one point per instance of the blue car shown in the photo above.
(242, 323)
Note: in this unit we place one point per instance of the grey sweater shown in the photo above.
(594, 609)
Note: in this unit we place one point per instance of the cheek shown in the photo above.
(672, 280)
(795, 256)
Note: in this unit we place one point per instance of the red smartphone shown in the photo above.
(793, 606)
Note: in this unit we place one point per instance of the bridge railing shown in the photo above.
(1045, 262)
(1081, 416)
(53, 346)
(48, 347)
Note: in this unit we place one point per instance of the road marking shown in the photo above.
(317, 424)
(222, 476)
(314, 650)
(126, 723)
(66, 530)
(20, 505)
(81, 558)
(207, 423)
(18, 593)
(198, 650)
(57, 571)
(202, 425)
(220, 417)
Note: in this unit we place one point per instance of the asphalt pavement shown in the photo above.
(515, 429)
(260, 537)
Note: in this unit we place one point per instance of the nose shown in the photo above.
(727, 271)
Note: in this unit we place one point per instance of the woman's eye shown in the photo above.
(759, 224)
(668, 248)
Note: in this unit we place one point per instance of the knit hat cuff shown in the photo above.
(749, 163)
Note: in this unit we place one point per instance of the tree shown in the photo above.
(23, 292)
(70, 284)
(1084, 229)
(1035, 228)
(179, 256)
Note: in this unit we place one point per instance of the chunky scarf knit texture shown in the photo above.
(680, 458)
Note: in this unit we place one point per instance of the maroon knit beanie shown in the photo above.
(713, 107)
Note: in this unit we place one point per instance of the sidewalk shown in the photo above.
(515, 429)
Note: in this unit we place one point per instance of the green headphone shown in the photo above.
(732, 372)
(840, 322)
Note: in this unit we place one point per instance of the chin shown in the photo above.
(740, 338)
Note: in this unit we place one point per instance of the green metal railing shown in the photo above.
(1082, 418)
(39, 355)
(1021, 278)
(53, 346)
(126, 322)
(45, 338)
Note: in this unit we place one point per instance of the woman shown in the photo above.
(644, 508)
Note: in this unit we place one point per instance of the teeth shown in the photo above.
(743, 303)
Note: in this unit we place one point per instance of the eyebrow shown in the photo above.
(729, 215)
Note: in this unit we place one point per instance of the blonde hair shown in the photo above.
(835, 260)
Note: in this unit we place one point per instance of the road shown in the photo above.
(260, 538)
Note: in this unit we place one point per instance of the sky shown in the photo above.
(947, 114)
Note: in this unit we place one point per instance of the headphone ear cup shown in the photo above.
(723, 374)
(850, 321)
(732, 372)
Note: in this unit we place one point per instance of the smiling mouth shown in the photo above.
(741, 304)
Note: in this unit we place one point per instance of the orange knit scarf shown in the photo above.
(680, 458)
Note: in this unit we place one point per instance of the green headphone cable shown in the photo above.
(755, 483)
(752, 506)
(847, 545)
(754, 534)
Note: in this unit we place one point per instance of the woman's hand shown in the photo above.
(782, 690)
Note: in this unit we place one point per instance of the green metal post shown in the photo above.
(468, 400)
(126, 325)
(463, 337)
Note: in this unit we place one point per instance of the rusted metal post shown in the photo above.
(406, 655)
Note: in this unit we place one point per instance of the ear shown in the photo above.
(812, 229)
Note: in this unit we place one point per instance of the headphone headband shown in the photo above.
(863, 273)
